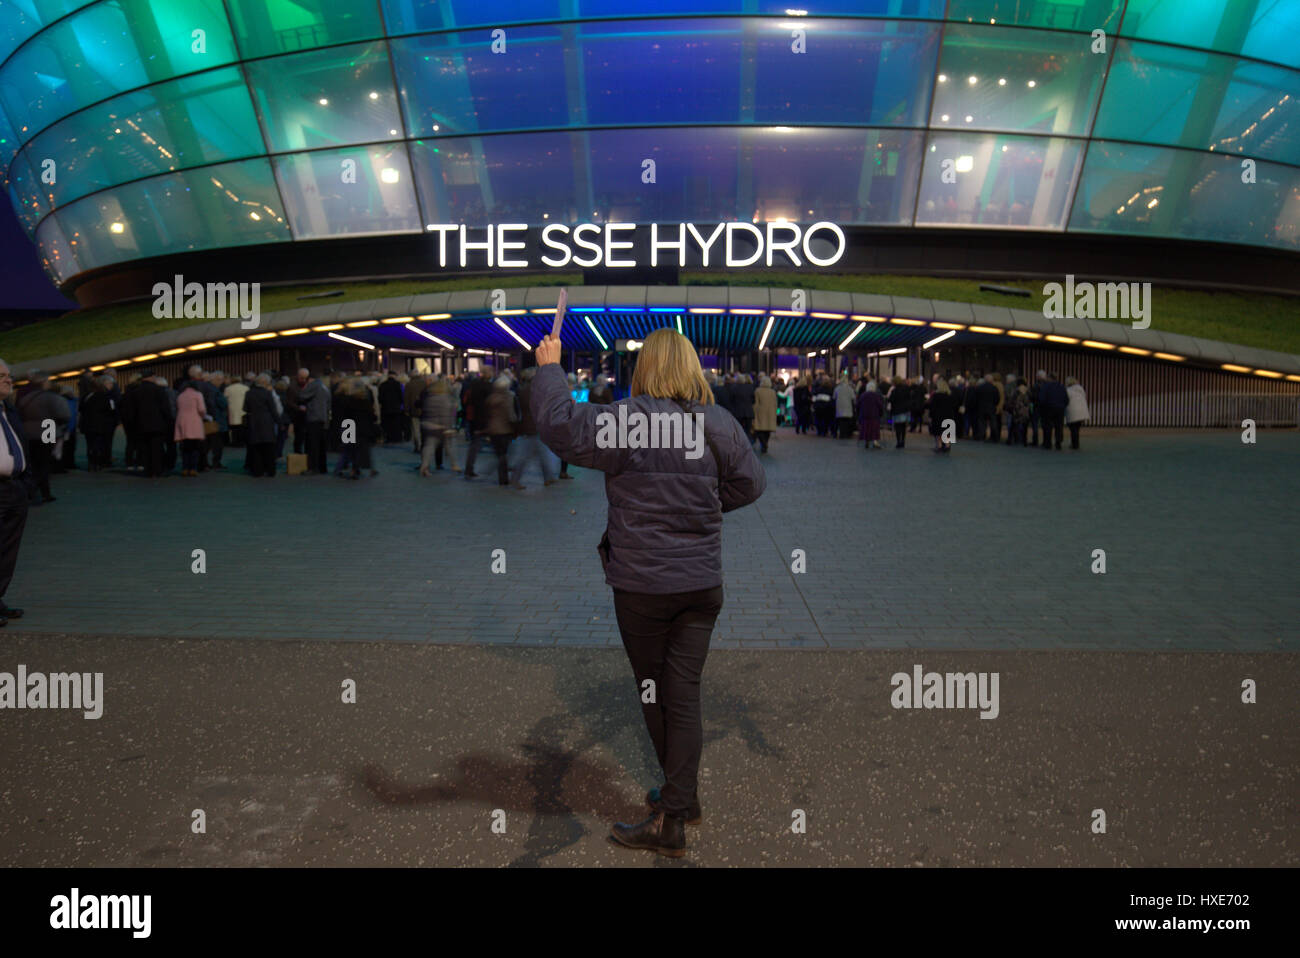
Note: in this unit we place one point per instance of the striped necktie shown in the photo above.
(15, 444)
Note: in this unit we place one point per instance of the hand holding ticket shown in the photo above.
(548, 350)
(559, 312)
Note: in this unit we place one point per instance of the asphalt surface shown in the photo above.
(444, 740)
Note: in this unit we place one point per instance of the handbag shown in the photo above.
(210, 427)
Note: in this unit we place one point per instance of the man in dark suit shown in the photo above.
(15, 477)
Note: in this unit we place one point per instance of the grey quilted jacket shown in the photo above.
(665, 510)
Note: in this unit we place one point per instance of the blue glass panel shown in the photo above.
(455, 83)
(1022, 81)
(1004, 181)
(333, 97)
(412, 16)
(231, 204)
(1264, 29)
(1201, 100)
(348, 192)
(804, 175)
(671, 72)
(199, 119)
(860, 72)
(1156, 191)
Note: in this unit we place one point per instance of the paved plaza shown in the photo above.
(222, 691)
(988, 548)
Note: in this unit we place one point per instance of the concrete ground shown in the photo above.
(479, 693)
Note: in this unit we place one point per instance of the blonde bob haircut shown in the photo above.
(669, 368)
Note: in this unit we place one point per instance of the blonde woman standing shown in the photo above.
(662, 549)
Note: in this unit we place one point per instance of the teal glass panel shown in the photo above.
(107, 49)
(1012, 182)
(349, 192)
(205, 118)
(1263, 29)
(231, 204)
(1155, 191)
(1021, 81)
(268, 27)
(1078, 15)
(1203, 100)
(334, 97)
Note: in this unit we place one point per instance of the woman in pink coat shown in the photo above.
(191, 411)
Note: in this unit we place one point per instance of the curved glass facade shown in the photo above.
(138, 128)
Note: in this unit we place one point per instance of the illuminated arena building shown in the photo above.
(292, 141)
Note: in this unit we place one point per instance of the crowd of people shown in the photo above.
(979, 407)
(193, 421)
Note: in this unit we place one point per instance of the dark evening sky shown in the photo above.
(23, 283)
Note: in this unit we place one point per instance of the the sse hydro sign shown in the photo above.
(629, 245)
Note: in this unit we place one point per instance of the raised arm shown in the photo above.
(569, 429)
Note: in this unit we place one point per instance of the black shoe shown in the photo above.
(8, 612)
(693, 814)
(660, 833)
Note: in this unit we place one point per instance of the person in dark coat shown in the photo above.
(662, 549)
(357, 406)
(900, 410)
(742, 403)
(41, 403)
(823, 398)
(15, 482)
(971, 402)
(803, 406)
(721, 395)
(98, 423)
(126, 412)
(986, 398)
(1035, 405)
(262, 426)
(871, 409)
(1052, 401)
(391, 408)
(153, 421)
(917, 409)
(943, 409)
